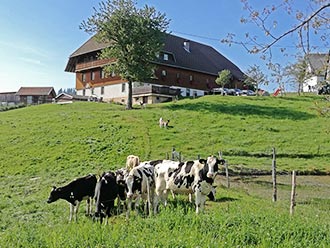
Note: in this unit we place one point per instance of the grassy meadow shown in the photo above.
(51, 144)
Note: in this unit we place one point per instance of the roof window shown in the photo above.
(186, 45)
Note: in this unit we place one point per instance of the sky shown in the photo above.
(37, 37)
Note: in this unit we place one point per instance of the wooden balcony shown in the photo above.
(93, 64)
(152, 89)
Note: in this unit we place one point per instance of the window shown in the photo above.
(191, 78)
(102, 90)
(165, 56)
(178, 75)
(83, 77)
(123, 87)
(163, 73)
(92, 91)
(92, 75)
(187, 92)
(102, 74)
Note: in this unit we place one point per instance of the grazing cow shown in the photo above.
(132, 161)
(188, 177)
(76, 191)
(106, 191)
(140, 184)
(163, 123)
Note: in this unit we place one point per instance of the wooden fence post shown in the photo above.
(274, 176)
(226, 168)
(227, 174)
(293, 193)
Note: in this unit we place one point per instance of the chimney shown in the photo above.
(186, 45)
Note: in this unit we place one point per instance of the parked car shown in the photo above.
(324, 90)
(238, 92)
(248, 93)
(221, 91)
(234, 92)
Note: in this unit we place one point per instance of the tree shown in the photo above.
(223, 78)
(255, 77)
(136, 36)
(310, 25)
(298, 73)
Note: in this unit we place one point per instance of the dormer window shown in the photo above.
(165, 56)
(186, 45)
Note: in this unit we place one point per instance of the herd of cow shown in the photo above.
(149, 181)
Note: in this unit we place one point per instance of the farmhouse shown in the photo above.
(183, 68)
(319, 69)
(36, 95)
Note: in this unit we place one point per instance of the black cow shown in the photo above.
(106, 191)
(76, 191)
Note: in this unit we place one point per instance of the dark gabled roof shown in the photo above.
(200, 58)
(318, 62)
(36, 91)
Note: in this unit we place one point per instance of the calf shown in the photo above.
(187, 177)
(106, 191)
(140, 184)
(163, 123)
(76, 191)
(132, 161)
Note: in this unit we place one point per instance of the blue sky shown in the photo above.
(37, 37)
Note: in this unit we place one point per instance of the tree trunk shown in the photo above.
(130, 96)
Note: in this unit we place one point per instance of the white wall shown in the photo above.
(312, 82)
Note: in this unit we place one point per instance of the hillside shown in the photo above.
(48, 145)
(100, 136)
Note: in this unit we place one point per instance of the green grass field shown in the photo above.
(48, 145)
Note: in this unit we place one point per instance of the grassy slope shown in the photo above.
(100, 136)
(51, 144)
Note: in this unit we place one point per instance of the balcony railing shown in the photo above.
(93, 64)
(156, 90)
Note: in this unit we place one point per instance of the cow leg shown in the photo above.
(76, 208)
(129, 207)
(190, 197)
(88, 206)
(71, 212)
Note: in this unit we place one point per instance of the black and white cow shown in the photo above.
(106, 192)
(140, 185)
(187, 177)
(76, 191)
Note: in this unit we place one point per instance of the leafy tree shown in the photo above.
(298, 73)
(223, 78)
(135, 36)
(255, 77)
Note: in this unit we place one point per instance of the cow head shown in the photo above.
(130, 184)
(212, 163)
(54, 195)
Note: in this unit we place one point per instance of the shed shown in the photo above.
(36, 95)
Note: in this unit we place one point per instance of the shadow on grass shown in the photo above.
(226, 199)
(244, 110)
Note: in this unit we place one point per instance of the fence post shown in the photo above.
(173, 150)
(227, 174)
(274, 176)
(293, 193)
(226, 169)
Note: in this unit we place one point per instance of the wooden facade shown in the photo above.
(36, 95)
